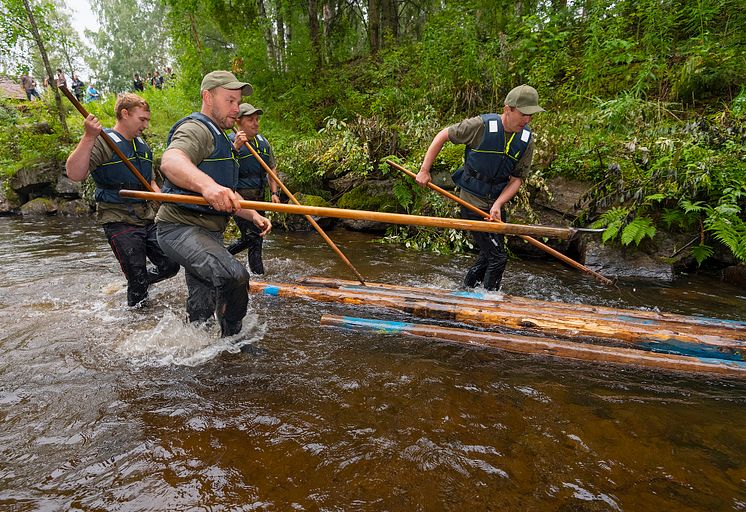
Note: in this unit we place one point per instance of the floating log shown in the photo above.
(535, 345)
(649, 337)
(728, 328)
(391, 218)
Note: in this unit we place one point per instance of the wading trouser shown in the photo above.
(131, 246)
(216, 281)
(490, 264)
(250, 238)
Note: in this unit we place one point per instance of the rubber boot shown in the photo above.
(256, 265)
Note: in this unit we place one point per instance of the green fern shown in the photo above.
(403, 194)
(701, 253)
(731, 232)
(637, 230)
(655, 197)
(675, 217)
(690, 207)
(613, 220)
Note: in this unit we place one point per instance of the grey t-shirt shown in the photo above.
(196, 141)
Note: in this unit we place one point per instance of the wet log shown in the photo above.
(709, 326)
(545, 347)
(648, 337)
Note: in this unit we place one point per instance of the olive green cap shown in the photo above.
(525, 99)
(226, 80)
(246, 109)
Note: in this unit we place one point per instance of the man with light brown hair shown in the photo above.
(128, 223)
(499, 150)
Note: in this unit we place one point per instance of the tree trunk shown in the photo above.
(282, 45)
(268, 36)
(329, 12)
(374, 25)
(389, 20)
(48, 67)
(313, 28)
(195, 34)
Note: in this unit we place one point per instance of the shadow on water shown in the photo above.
(109, 408)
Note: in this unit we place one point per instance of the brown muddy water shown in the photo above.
(105, 408)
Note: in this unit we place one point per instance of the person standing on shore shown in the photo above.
(29, 86)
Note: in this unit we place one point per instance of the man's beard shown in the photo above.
(224, 122)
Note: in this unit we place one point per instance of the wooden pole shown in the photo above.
(542, 346)
(658, 338)
(697, 326)
(107, 140)
(528, 239)
(310, 219)
(392, 218)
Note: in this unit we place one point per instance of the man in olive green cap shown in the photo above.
(200, 160)
(499, 150)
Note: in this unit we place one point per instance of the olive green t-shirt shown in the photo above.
(471, 132)
(196, 141)
(137, 214)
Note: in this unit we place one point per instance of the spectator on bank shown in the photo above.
(157, 80)
(60, 79)
(78, 87)
(29, 86)
(148, 78)
(91, 94)
(137, 84)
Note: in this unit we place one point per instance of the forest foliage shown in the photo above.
(644, 98)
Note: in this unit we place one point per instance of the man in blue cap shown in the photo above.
(499, 150)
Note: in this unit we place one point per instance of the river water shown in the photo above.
(105, 408)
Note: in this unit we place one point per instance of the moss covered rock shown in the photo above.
(9, 200)
(299, 222)
(39, 207)
(373, 195)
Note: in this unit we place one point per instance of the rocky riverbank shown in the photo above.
(45, 190)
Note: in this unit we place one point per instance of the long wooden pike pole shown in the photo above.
(527, 238)
(107, 139)
(310, 219)
(391, 218)
(545, 346)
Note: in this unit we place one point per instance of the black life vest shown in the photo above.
(221, 165)
(486, 169)
(251, 174)
(114, 175)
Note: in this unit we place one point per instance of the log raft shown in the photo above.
(655, 335)
(543, 346)
(733, 327)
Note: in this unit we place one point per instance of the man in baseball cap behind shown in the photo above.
(200, 160)
(499, 150)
